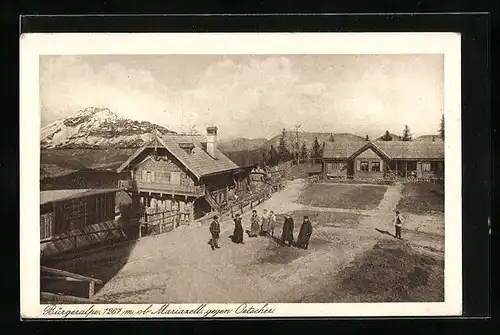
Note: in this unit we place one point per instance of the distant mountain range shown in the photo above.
(97, 128)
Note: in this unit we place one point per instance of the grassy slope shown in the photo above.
(342, 196)
(421, 198)
(392, 272)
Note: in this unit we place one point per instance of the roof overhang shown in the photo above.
(126, 164)
(83, 194)
(222, 172)
(374, 147)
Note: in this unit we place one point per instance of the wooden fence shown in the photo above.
(161, 222)
(253, 200)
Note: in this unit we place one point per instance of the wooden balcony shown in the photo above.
(187, 190)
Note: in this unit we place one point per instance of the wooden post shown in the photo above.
(140, 229)
(162, 221)
(91, 289)
(406, 169)
(241, 207)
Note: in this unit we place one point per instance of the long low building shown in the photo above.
(383, 159)
(76, 218)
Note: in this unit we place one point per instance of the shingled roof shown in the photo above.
(198, 161)
(341, 150)
(411, 149)
(391, 149)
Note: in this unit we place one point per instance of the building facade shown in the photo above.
(73, 218)
(383, 159)
(183, 172)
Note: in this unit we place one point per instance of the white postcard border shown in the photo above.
(34, 45)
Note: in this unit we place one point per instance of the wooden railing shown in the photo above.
(253, 200)
(74, 237)
(161, 222)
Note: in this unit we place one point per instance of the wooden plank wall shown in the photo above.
(57, 247)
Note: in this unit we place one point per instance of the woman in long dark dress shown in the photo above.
(304, 234)
(238, 230)
(287, 234)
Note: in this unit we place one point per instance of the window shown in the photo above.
(427, 167)
(175, 178)
(364, 166)
(74, 214)
(376, 166)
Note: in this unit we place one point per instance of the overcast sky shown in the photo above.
(252, 96)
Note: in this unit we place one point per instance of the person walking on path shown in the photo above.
(238, 230)
(305, 233)
(272, 222)
(398, 224)
(215, 231)
(287, 234)
(264, 227)
(254, 224)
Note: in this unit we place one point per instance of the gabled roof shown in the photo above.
(199, 162)
(341, 149)
(67, 194)
(374, 148)
(387, 149)
(412, 149)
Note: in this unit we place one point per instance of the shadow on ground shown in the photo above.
(385, 232)
(102, 263)
(392, 271)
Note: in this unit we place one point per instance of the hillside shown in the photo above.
(395, 137)
(309, 137)
(97, 128)
(427, 138)
(241, 144)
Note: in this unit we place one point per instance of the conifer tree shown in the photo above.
(386, 137)
(303, 151)
(406, 134)
(316, 149)
(284, 154)
(441, 128)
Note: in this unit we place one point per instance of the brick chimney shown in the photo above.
(211, 140)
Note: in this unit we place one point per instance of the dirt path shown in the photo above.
(179, 266)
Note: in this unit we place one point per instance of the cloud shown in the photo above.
(254, 96)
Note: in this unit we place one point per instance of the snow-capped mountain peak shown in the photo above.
(97, 128)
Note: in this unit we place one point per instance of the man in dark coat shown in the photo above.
(398, 224)
(287, 234)
(238, 230)
(215, 231)
(304, 234)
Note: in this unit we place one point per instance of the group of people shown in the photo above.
(264, 226)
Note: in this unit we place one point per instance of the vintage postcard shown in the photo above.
(240, 175)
